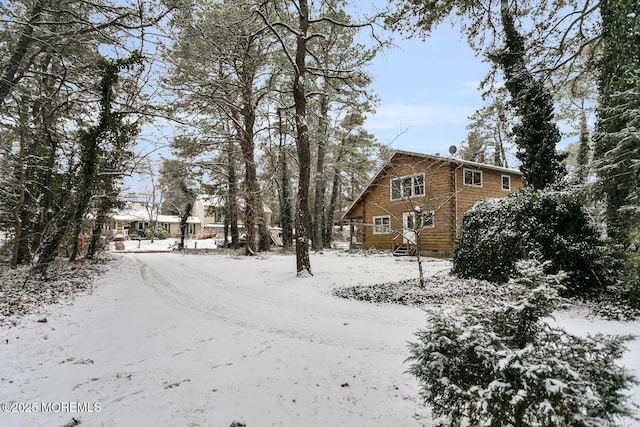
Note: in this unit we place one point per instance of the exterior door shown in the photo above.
(408, 228)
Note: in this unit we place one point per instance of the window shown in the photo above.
(473, 177)
(396, 191)
(408, 186)
(167, 227)
(427, 219)
(418, 185)
(506, 182)
(142, 225)
(381, 225)
(191, 229)
(424, 220)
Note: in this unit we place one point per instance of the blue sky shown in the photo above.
(427, 91)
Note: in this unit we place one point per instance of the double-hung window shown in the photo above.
(381, 224)
(408, 186)
(473, 177)
(506, 182)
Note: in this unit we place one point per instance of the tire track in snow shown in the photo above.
(236, 306)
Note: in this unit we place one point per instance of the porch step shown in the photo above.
(404, 250)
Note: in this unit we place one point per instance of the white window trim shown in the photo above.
(413, 186)
(381, 226)
(464, 172)
(502, 182)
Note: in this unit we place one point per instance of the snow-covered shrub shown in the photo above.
(504, 365)
(550, 226)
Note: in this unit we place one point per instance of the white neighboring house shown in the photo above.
(209, 209)
(134, 219)
(206, 220)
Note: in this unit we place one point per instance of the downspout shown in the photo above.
(455, 200)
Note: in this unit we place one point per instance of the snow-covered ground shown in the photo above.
(165, 245)
(168, 339)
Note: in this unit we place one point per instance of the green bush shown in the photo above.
(160, 234)
(550, 226)
(622, 300)
(503, 365)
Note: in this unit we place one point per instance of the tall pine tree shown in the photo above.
(536, 133)
(617, 148)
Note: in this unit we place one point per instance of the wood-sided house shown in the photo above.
(419, 198)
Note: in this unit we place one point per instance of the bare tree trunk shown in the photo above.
(252, 187)
(333, 201)
(319, 211)
(303, 262)
(419, 257)
(285, 199)
(231, 205)
(60, 228)
(15, 258)
(22, 212)
(96, 233)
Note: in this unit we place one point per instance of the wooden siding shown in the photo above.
(491, 189)
(438, 197)
(444, 193)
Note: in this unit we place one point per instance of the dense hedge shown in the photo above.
(549, 226)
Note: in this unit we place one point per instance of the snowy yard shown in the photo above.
(166, 339)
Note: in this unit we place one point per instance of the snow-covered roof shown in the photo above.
(134, 214)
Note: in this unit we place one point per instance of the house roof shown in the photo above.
(135, 214)
(396, 153)
(456, 161)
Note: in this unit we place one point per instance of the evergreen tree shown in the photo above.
(584, 149)
(225, 65)
(473, 147)
(500, 363)
(617, 147)
(301, 27)
(110, 131)
(353, 158)
(489, 133)
(536, 133)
